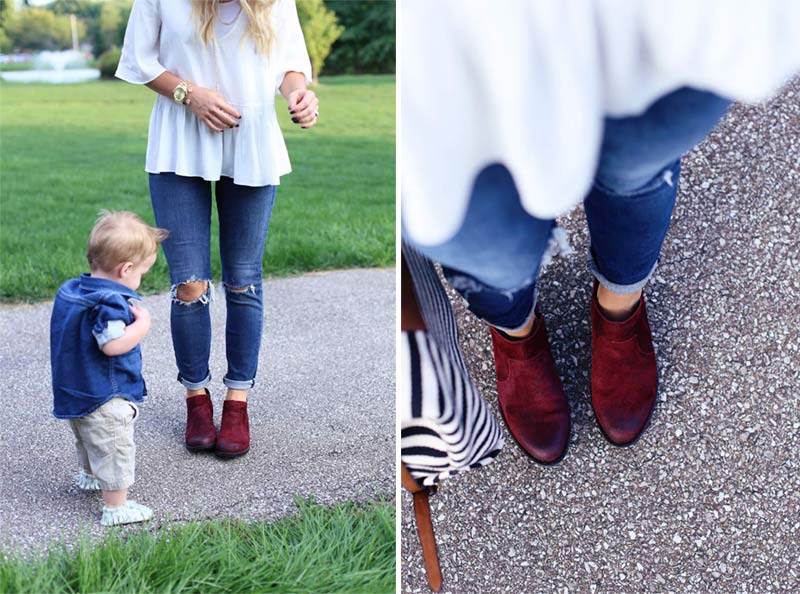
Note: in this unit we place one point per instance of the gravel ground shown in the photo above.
(322, 415)
(709, 499)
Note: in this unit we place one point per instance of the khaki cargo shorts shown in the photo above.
(104, 440)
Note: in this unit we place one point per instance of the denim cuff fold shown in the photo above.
(195, 385)
(614, 287)
(527, 319)
(238, 384)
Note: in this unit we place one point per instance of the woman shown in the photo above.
(547, 105)
(216, 66)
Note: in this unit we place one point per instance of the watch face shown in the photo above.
(179, 94)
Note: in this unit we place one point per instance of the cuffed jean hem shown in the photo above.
(238, 384)
(614, 287)
(195, 385)
(528, 318)
(508, 310)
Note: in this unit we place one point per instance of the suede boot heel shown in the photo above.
(200, 431)
(531, 397)
(234, 430)
(624, 376)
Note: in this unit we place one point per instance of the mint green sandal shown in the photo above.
(86, 481)
(129, 513)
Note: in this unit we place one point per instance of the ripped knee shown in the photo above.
(245, 289)
(192, 292)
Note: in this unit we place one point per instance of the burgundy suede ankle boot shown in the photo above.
(624, 375)
(200, 431)
(234, 430)
(531, 397)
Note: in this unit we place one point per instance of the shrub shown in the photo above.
(320, 29)
(368, 42)
(108, 61)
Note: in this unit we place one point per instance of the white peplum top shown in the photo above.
(161, 36)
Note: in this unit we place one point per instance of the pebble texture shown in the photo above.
(709, 499)
(322, 415)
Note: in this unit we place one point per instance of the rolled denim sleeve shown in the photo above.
(109, 321)
(139, 63)
(290, 52)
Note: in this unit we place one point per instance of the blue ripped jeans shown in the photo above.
(494, 259)
(183, 206)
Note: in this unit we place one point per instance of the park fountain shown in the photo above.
(52, 67)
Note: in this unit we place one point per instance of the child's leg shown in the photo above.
(84, 480)
(115, 498)
(83, 457)
(108, 437)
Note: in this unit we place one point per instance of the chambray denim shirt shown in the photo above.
(87, 313)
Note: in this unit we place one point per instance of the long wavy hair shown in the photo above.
(259, 26)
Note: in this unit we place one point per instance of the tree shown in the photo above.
(113, 21)
(321, 30)
(83, 9)
(6, 17)
(39, 29)
(105, 20)
(6, 12)
(368, 41)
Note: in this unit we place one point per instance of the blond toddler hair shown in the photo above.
(121, 236)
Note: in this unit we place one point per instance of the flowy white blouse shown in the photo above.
(528, 83)
(161, 36)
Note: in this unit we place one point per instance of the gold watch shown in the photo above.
(181, 92)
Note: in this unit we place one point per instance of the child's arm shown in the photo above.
(133, 334)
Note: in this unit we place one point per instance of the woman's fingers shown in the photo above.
(225, 117)
(211, 107)
(212, 123)
(305, 109)
(306, 99)
(230, 111)
(218, 120)
(307, 115)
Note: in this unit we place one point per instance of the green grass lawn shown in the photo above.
(343, 549)
(68, 151)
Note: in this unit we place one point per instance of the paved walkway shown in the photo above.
(322, 414)
(709, 499)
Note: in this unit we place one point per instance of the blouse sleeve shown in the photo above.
(290, 47)
(139, 62)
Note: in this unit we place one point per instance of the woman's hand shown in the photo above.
(212, 109)
(304, 107)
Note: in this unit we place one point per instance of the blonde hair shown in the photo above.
(121, 237)
(259, 23)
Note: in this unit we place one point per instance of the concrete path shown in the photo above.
(709, 500)
(322, 414)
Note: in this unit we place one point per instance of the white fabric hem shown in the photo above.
(252, 154)
(237, 180)
(135, 77)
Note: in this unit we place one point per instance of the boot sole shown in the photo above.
(228, 455)
(204, 448)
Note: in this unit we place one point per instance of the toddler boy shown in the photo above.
(95, 331)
